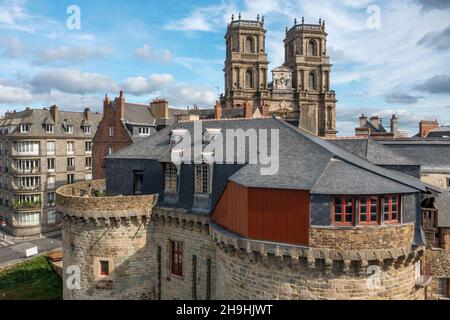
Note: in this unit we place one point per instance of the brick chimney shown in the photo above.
(375, 121)
(55, 113)
(86, 113)
(362, 120)
(248, 110)
(160, 108)
(106, 103)
(264, 110)
(121, 105)
(426, 126)
(218, 111)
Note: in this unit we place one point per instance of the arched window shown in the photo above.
(312, 48)
(312, 81)
(249, 45)
(330, 117)
(248, 79)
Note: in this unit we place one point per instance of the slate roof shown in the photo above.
(443, 205)
(227, 113)
(38, 117)
(432, 155)
(306, 162)
(441, 132)
(140, 114)
(373, 129)
(374, 151)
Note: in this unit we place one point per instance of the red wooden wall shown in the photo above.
(264, 214)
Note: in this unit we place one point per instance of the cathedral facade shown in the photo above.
(300, 88)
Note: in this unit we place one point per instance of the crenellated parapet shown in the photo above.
(87, 202)
(180, 218)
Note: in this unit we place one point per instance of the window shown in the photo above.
(88, 163)
(51, 182)
(176, 258)
(29, 218)
(312, 48)
(104, 268)
(69, 129)
(51, 147)
(248, 79)
(144, 131)
(368, 210)
(70, 163)
(343, 209)
(24, 128)
(51, 165)
(138, 182)
(443, 287)
(51, 199)
(87, 130)
(51, 217)
(171, 177)
(110, 151)
(202, 179)
(448, 183)
(70, 147)
(391, 209)
(88, 146)
(70, 179)
(111, 131)
(28, 147)
(49, 128)
(312, 81)
(249, 45)
(88, 176)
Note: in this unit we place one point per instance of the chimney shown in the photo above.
(86, 113)
(394, 125)
(160, 108)
(121, 105)
(375, 121)
(106, 103)
(248, 110)
(426, 126)
(55, 113)
(218, 111)
(362, 120)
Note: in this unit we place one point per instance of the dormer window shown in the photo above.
(25, 128)
(177, 135)
(49, 128)
(144, 131)
(87, 130)
(171, 178)
(202, 179)
(69, 129)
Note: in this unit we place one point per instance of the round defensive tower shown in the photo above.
(347, 263)
(105, 242)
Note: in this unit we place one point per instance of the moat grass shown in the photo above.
(30, 280)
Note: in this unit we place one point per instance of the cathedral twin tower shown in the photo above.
(300, 89)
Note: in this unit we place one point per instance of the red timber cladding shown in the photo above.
(265, 214)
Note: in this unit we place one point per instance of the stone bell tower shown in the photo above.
(306, 55)
(246, 63)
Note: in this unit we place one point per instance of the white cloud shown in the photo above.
(11, 13)
(72, 81)
(9, 94)
(74, 54)
(157, 55)
(13, 48)
(141, 86)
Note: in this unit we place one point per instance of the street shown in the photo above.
(12, 250)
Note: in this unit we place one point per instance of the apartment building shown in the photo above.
(41, 150)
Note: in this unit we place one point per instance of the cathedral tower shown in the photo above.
(246, 63)
(306, 55)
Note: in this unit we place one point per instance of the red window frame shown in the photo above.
(176, 257)
(343, 212)
(104, 268)
(369, 203)
(391, 216)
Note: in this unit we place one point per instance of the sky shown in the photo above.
(388, 56)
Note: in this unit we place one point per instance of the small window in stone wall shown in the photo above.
(104, 268)
(448, 183)
(176, 258)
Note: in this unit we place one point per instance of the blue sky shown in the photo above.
(397, 61)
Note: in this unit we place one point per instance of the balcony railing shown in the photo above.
(26, 205)
(70, 168)
(26, 171)
(26, 188)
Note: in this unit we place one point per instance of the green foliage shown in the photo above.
(30, 280)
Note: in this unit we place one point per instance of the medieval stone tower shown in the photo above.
(300, 89)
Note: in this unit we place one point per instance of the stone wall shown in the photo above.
(243, 276)
(436, 179)
(361, 238)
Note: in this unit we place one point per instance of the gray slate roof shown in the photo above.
(140, 114)
(432, 155)
(443, 205)
(306, 162)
